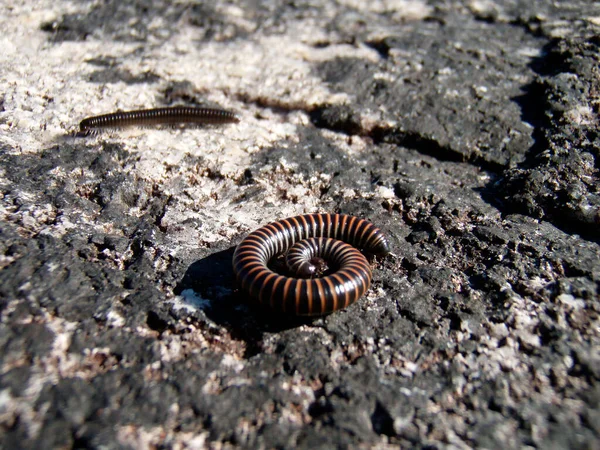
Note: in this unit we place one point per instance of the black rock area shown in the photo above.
(468, 132)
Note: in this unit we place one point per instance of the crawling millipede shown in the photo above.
(336, 236)
(176, 115)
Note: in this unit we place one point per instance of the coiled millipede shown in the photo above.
(176, 115)
(309, 240)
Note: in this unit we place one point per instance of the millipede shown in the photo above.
(328, 271)
(176, 115)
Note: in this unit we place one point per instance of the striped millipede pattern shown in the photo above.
(177, 115)
(334, 238)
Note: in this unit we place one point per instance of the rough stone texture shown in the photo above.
(560, 181)
(467, 130)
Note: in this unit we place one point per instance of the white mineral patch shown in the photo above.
(233, 363)
(115, 319)
(404, 9)
(189, 301)
(571, 302)
(582, 115)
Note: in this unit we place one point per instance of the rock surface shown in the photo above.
(466, 130)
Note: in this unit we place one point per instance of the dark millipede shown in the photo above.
(176, 115)
(309, 240)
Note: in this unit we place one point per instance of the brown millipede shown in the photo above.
(158, 116)
(306, 238)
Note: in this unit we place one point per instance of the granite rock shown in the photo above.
(466, 130)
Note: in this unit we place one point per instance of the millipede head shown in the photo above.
(381, 247)
(315, 267)
(83, 132)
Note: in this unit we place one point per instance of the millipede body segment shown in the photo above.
(308, 240)
(177, 115)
